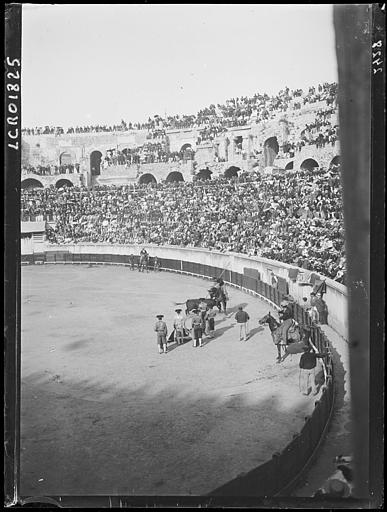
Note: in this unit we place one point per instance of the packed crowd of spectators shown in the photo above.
(149, 153)
(156, 133)
(50, 170)
(238, 111)
(210, 133)
(295, 217)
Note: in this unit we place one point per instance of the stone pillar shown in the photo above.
(226, 148)
(246, 145)
(231, 148)
(283, 133)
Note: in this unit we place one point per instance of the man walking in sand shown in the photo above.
(242, 319)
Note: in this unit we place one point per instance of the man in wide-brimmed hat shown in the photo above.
(161, 331)
(178, 325)
(197, 329)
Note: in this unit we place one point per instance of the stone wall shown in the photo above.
(47, 149)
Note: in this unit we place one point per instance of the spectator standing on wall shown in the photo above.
(242, 319)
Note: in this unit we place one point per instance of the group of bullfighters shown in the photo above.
(202, 320)
(202, 324)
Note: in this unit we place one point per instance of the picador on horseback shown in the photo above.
(219, 294)
(286, 333)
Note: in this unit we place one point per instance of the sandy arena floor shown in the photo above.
(103, 413)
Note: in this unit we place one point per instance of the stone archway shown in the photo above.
(335, 161)
(231, 172)
(309, 164)
(63, 183)
(174, 176)
(270, 151)
(66, 158)
(184, 147)
(289, 166)
(95, 162)
(146, 179)
(203, 174)
(31, 183)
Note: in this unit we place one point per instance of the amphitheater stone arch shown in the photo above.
(289, 166)
(203, 174)
(63, 183)
(231, 172)
(309, 164)
(95, 162)
(66, 158)
(185, 146)
(335, 160)
(146, 179)
(31, 183)
(270, 150)
(174, 176)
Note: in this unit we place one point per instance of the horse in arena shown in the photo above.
(219, 296)
(191, 304)
(143, 263)
(294, 336)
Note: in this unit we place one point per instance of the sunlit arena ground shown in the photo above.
(102, 412)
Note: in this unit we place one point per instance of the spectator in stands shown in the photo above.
(322, 309)
(215, 119)
(233, 216)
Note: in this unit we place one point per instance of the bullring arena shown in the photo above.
(251, 193)
(98, 397)
(122, 418)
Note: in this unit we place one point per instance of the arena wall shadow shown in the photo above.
(278, 476)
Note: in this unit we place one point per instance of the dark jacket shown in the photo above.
(241, 317)
(285, 314)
